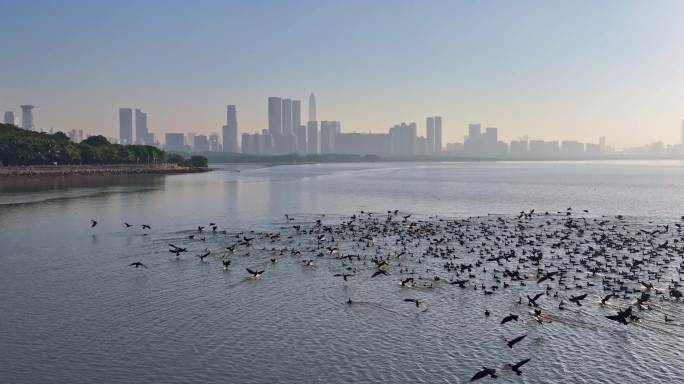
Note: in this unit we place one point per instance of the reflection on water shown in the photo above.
(72, 311)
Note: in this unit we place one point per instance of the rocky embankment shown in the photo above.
(95, 170)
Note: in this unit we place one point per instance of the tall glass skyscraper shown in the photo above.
(125, 126)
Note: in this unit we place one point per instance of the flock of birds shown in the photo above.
(547, 263)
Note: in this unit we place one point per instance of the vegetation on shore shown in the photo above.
(22, 147)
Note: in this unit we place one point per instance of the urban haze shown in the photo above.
(341, 191)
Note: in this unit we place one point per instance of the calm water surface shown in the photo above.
(72, 311)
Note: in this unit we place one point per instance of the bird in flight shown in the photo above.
(343, 275)
(93, 223)
(127, 225)
(513, 342)
(516, 367)
(577, 299)
(145, 226)
(204, 255)
(380, 272)
(254, 274)
(484, 373)
(508, 318)
(137, 264)
(547, 276)
(532, 301)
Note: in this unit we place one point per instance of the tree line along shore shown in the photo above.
(28, 153)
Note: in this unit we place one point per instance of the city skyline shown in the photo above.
(619, 74)
(285, 134)
(403, 140)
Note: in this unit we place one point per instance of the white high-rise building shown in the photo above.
(312, 107)
(312, 137)
(296, 114)
(287, 117)
(438, 134)
(230, 130)
(142, 134)
(430, 135)
(275, 113)
(27, 117)
(125, 126)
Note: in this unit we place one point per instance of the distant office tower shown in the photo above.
(403, 139)
(312, 137)
(214, 145)
(9, 118)
(190, 140)
(266, 143)
(142, 135)
(438, 134)
(253, 144)
(201, 143)
(474, 131)
(174, 142)
(275, 115)
(296, 114)
(301, 139)
(490, 139)
(602, 141)
(287, 116)
(312, 107)
(245, 142)
(329, 129)
(125, 126)
(473, 144)
(421, 146)
(430, 135)
(230, 130)
(27, 117)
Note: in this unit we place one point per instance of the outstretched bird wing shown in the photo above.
(519, 364)
(380, 272)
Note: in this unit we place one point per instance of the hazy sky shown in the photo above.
(547, 69)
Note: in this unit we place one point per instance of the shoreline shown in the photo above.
(95, 170)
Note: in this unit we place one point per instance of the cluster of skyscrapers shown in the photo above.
(486, 144)
(26, 118)
(286, 134)
(142, 134)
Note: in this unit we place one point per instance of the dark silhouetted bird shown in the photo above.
(484, 373)
(508, 318)
(516, 367)
(254, 274)
(512, 342)
(577, 299)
